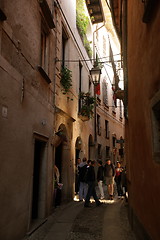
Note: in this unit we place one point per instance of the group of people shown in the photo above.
(86, 180)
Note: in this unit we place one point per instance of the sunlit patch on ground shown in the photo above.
(106, 200)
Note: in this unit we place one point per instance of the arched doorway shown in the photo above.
(61, 163)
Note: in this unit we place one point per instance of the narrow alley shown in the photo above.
(79, 109)
(72, 221)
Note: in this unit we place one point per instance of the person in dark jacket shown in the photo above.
(91, 184)
(109, 173)
(100, 177)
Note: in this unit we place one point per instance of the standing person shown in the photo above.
(109, 172)
(124, 183)
(91, 184)
(57, 190)
(56, 175)
(100, 177)
(118, 179)
(83, 186)
(77, 176)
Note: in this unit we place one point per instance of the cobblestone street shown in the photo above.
(74, 222)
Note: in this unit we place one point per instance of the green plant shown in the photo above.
(87, 104)
(66, 79)
(82, 22)
(87, 46)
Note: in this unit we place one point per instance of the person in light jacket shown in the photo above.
(109, 173)
(100, 176)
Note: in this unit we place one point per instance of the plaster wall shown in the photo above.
(143, 84)
(26, 112)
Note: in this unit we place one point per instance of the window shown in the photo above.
(64, 46)
(106, 129)
(105, 93)
(114, 141)
(113, 104)
(149, 10)
(44, 51)
(48, 16)
(98, 125)
(99, 151)
(156, 131)
(2, 13)
(120, 109)
(107, 152)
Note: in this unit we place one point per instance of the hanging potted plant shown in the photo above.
(66, 79)
(86, 106)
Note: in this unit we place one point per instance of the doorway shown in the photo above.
(39, 180)
(58, 163)
(58, 160)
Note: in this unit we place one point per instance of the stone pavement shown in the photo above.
(74, 222)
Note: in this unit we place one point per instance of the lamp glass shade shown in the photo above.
(95, 74)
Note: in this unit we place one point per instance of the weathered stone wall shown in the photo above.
(26, 114)
(143, 84)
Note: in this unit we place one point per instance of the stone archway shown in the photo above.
(78, 147)
(63, 162)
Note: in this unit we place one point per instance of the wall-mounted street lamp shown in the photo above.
(95, 73)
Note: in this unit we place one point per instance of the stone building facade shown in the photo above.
(40, 125)
(139, 34)
(27, 40)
